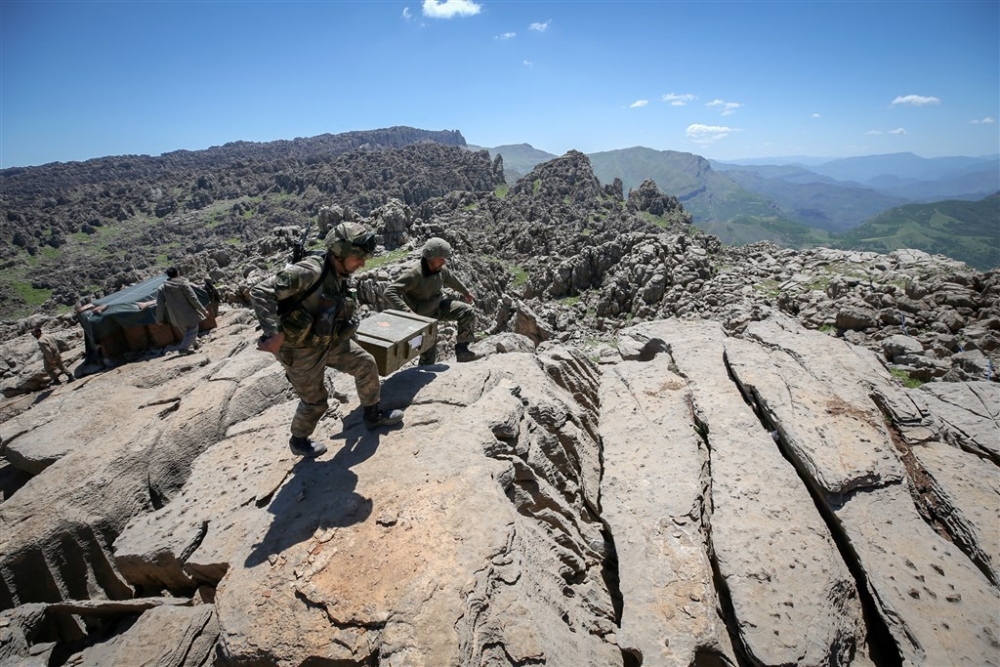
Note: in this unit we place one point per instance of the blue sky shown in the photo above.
(725, 80)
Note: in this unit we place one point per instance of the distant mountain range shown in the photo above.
(802, 202)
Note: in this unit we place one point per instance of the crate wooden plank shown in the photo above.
(395, 337)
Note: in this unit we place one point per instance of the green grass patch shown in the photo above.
(217, 218)
(387, 258)
(501, 191)
(904, 377)
(768, 287)
(520, 275)
(657, 220)
(32, 296)
(536, 187)
(819, 283)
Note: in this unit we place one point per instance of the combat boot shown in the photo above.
(375, 417)
(429, 357)
(306, 447)
(463, 353)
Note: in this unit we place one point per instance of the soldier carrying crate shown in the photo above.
(307, 314)
(419, 289)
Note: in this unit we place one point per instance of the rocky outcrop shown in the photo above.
(167, 209)
(769, 495)
(671, 452)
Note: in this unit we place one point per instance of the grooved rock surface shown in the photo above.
(462, 538)
(694, 495)
(792, 598)
(653, 502)
(939, 608)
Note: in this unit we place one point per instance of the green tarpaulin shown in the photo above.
(122, 311)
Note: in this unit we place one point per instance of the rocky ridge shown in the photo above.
(694, 497)
(673, 453)
(82, 229)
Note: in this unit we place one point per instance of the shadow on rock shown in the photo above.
(400, 389)
(321, 493)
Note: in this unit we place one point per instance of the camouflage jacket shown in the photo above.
(274, 295)
(49, 347)
(421, 291)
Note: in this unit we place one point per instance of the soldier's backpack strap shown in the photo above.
(286, 306)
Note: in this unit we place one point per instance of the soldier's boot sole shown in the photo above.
(384, 419)
(305, 447)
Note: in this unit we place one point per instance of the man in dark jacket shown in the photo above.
(307, 314)
(420, 289)
(177, 304)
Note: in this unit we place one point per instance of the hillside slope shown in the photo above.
(968, 231)
(671, 452)
(81, 228)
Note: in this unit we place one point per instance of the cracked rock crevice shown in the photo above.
(882, 646)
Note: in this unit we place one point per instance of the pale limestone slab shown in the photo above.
(939, 608)
(968, 414)
(652, 497)
(967, 492)
(835, 432)
(443, 542)
(165, 636)
(793, 598)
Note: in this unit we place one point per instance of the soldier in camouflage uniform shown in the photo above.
(51, 359)
(420, 289)
(307, 314)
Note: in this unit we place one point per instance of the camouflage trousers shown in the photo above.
(462, 314)
(305, 368)
(455, 311)
(54, 367)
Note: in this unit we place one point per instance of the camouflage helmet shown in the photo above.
(436, 247)
(349, 239)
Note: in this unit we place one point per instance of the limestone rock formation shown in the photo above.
(699, 496)
(671, 452)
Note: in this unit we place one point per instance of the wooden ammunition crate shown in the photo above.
(394, 337)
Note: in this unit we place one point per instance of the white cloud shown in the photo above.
(446, 9)
(707, 134)
(528, 63)
(540, 27)
(915, 100)
(728, 108)
(407, 14)
(898, 131)
(985, 121)
(874, 133)
(679, 100)
(506, 35)
(638, 103)
(816, 115)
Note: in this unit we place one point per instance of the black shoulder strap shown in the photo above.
(290, 304)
